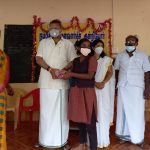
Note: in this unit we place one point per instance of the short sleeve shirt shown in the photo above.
(132, 69)
(56, 56)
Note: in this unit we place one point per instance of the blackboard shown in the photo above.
(18, 45)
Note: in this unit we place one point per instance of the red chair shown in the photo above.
(35, 107)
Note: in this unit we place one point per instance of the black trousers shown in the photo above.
(91, 130)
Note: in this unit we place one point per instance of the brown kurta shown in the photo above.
(82, 100)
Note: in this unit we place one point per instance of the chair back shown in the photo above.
(35, 104)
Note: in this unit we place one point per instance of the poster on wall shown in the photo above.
(73, 30)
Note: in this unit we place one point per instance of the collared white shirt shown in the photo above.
(56, 56)
(132, 69)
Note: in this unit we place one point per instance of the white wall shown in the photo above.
(22, 11)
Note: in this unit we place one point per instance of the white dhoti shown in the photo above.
(54, 126)
(130, 123)
(104, 116)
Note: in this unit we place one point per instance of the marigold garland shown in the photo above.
(35, 25)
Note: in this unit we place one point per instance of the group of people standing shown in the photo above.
(89, 71)
(89, 101)
(77, 83)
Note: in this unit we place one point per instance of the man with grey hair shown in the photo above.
(54, 54)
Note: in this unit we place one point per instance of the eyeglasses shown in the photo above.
(130, 44)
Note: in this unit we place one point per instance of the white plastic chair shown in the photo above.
(13, 104)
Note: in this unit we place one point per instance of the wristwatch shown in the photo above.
(48, 68)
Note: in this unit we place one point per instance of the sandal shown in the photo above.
(121, 142)
(67, 147)
(144, 146)
(79, 147)
(37, 145)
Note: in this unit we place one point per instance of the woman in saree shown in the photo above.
(4, 78)
(105, 85)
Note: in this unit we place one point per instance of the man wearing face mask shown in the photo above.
(53, 54)
(133, 84)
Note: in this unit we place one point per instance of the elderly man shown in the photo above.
(133, 68)
(53, 54)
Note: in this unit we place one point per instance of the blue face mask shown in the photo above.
(98, 50)
(130, 48)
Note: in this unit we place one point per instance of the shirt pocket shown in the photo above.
(60, 57)
(124, 63)
(138, 62)
(62, 52)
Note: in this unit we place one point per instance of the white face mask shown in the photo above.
(130, 48)
(54, 32)
(85, 51)
(98, 50)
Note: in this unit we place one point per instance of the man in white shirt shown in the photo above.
(53, 54)
(133, 68)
